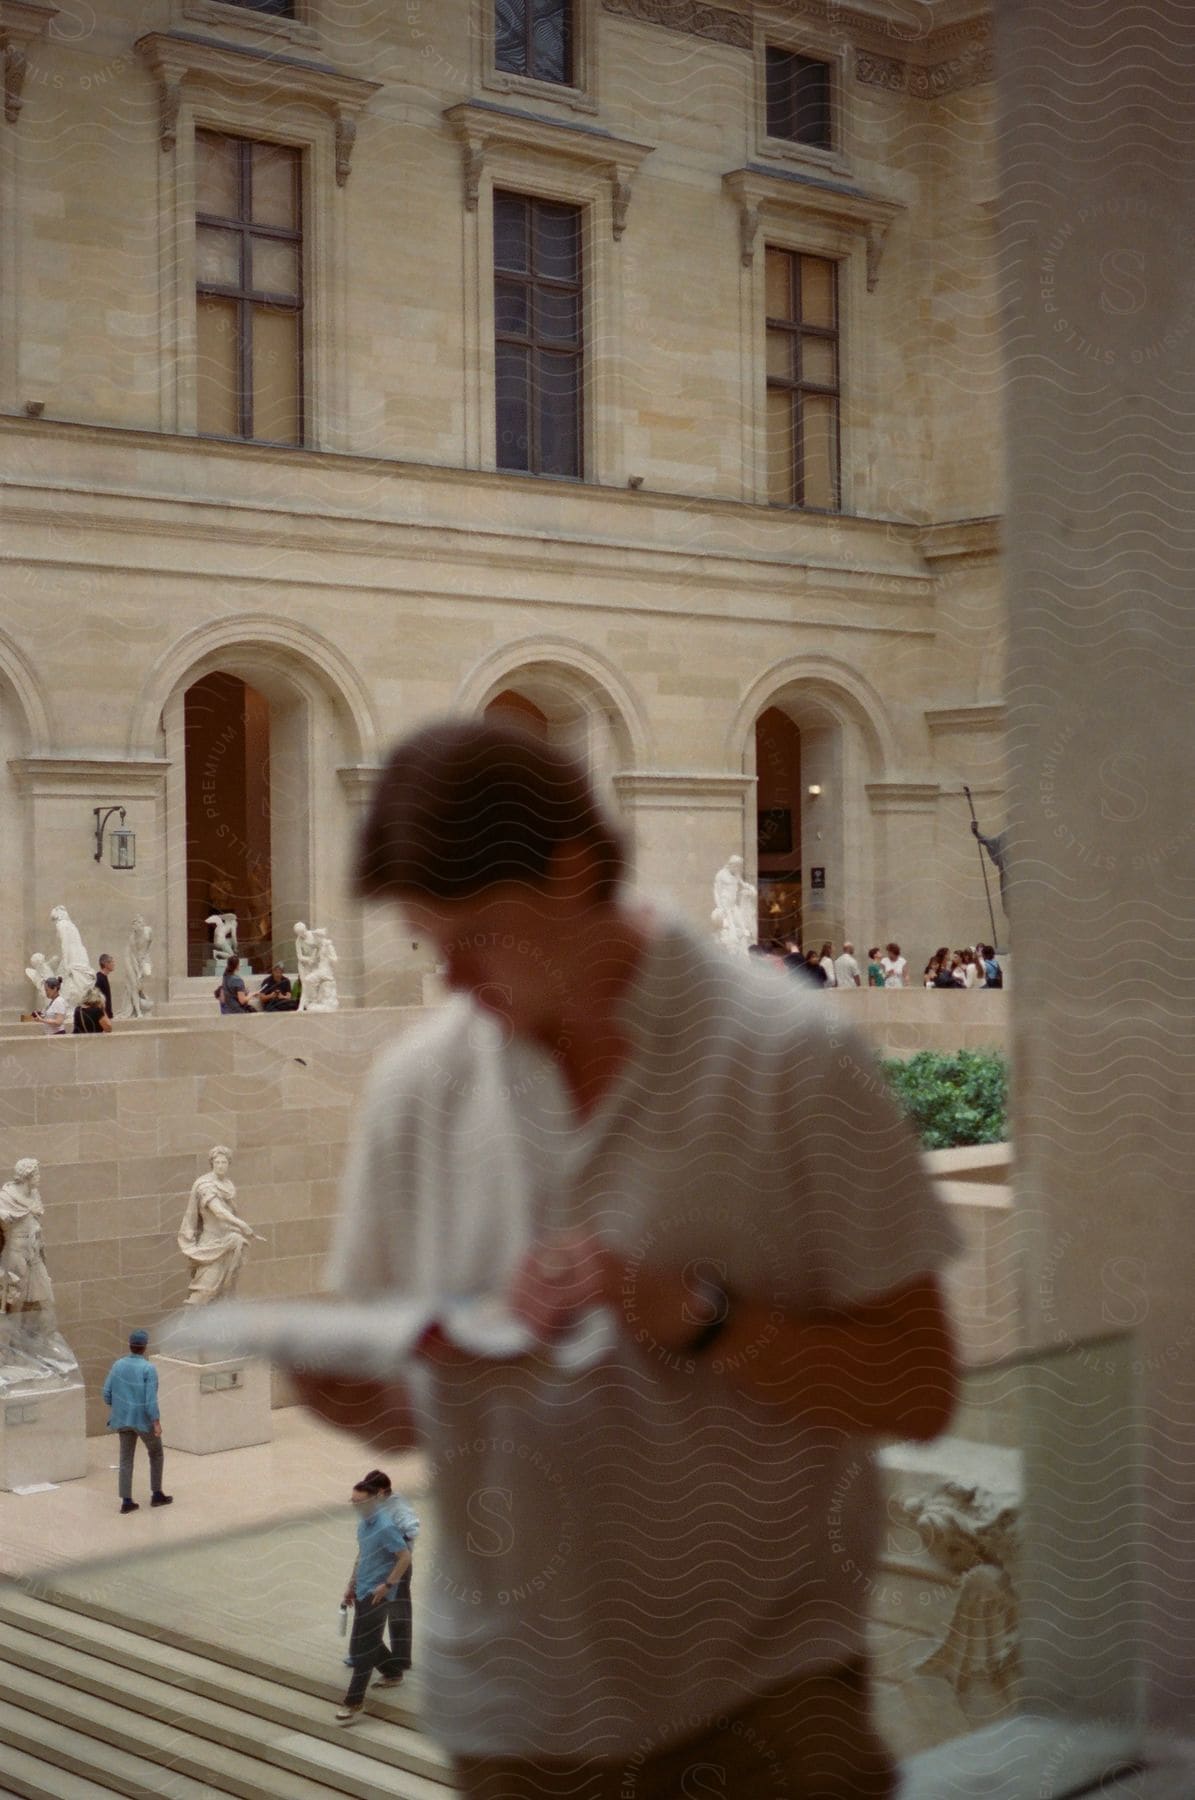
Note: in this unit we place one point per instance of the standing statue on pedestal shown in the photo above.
(74, 965)
(315, 954)
(213, 1236)
(224, 939)
(136, 969)
(32, 1351)
(24, 1281)
(736, 908)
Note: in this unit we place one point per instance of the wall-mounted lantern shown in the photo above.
(122, 844)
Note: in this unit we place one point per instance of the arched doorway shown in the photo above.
(814, 744)
(567, 709)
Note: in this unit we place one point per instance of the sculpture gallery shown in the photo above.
(213, 1236)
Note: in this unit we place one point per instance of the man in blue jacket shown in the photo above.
(131, 1391)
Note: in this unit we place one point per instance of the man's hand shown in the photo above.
(156, 1427)
(350, 1596)
(378, 1594)
(377, 1411)
(560, 1278)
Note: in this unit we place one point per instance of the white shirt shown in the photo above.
(54, 1016)
(847, 970)
(894, 970)
(827, 963)
(627, 1552)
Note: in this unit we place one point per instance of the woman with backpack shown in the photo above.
(231, 992)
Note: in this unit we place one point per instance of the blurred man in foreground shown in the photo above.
(653, 1573)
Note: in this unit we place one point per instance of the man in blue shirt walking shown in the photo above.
(383, 1562)
(131, 1392)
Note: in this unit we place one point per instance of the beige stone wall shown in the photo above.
(388, 572)
(121, 1126)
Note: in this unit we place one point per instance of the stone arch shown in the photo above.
(260, 641)
(814, 767)
(16, 672)
(839, 690)
(322, 728)
(555, 671)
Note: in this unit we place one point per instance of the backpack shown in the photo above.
(944, 979)
(993, 974)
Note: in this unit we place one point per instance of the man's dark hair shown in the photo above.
(464, 804)
(376, 1482)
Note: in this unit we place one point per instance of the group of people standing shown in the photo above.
(92, 1014)
(971, 968)
(886, 967)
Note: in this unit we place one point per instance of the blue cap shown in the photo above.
(138, 1340)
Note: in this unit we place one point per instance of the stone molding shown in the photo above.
(64, 776)
(222, 16)
(357, 781)
(903, 796)
(178, 59)
(761, 193)
(982, 715)
(682, 790)
(21, 23)
(961, 540)
(714, 23)
(482, 127)
(972, 61)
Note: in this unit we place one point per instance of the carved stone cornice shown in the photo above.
(979, 715)
(682, 790)
(958, 56)
(715, 23)
(960, 540)
(482, 127)
(62, 777)
(21, 22)
(179, 60)
(761, 193)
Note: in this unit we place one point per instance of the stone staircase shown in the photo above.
(91, 1707)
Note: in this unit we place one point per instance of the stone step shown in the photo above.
(45, 1759)
(146, 1720)
(305, 1708)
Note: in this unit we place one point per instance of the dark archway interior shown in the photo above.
(227, 727)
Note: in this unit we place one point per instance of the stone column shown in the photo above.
(1099, 287)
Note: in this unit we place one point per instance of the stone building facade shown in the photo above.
(277, 482)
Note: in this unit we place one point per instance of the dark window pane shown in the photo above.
(278, 9)
(818, 361)
(558, 242)
(512, 309)
(510, 232)
(557, 315)
(551, 55)
(510, 36)
(798, 98)
(558, 407)
(512, 397)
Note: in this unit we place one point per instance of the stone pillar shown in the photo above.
(1098, 280)
(683, 826)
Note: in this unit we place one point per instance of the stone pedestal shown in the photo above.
(43, 1435)
(209, 1406)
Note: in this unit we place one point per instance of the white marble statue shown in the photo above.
(74, 965)
(33, 1353)
(213, 1237)
(316, 956)
(736, 908)
(975, 1536)
(224, 938)
(39, 972)
(137, 968)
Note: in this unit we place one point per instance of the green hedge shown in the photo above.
(952, 1100)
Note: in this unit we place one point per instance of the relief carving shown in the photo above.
(16, 63)
(712, 22)
(346, 137)
(886, 72)
(975, 1536)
